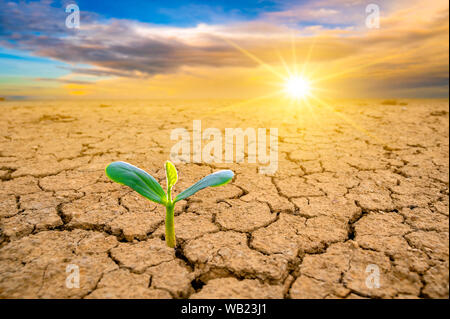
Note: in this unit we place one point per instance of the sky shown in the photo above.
(223, 49)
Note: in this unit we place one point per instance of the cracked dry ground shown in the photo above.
(364, 184)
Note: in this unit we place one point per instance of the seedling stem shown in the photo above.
(148, 186)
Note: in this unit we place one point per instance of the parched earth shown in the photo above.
(361, 190)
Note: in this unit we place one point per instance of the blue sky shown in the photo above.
(182, 13)
(22, 63)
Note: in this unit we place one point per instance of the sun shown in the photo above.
(297, 87)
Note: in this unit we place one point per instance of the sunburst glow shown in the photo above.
(297, 87)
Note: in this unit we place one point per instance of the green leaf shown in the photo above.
(215, 179)
(171, 174)
(137, 179)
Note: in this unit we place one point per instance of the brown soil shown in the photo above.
(357, 185)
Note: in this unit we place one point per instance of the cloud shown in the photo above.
(65, 81)
(335, 30)
(132, 49)
(329, 12)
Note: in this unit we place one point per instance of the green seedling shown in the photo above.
(146, 185)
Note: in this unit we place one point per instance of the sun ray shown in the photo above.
(254, 58)
(308, 56)
(246, 102)
(299, 87)
(283, 61)
(365, 65)
(313, 114)
(349, 121)
(294, 52)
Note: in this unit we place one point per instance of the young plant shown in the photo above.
(148, 186)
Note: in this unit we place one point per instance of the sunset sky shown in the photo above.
(222, 49)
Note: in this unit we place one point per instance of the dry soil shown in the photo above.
(358, 184)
